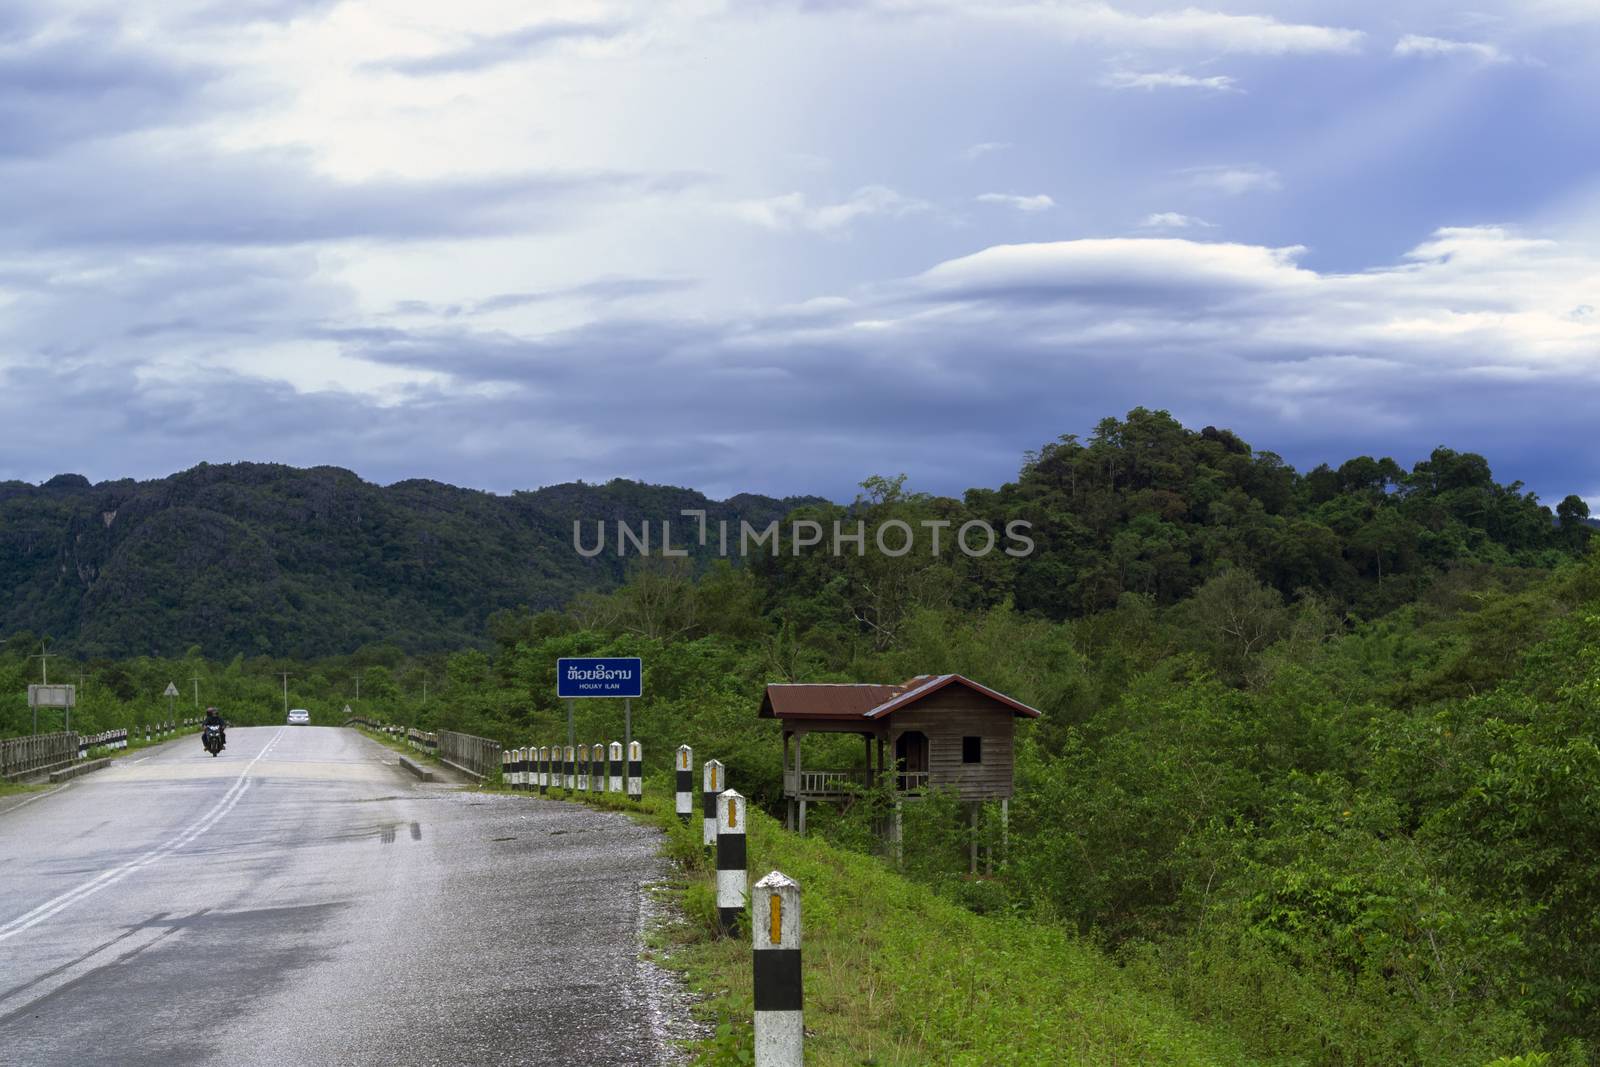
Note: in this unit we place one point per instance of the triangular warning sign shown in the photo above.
(172, 690)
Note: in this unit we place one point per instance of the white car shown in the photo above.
(299, 717)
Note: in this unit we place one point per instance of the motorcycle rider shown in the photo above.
(214, 718)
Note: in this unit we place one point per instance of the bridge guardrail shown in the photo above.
(478, 756)
(38, 754)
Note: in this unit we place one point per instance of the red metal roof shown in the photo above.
(855, 701)
(824, 701)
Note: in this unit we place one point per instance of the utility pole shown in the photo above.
(424, 692)
(285, 691)
(44, 658)
(44, 665)
(358, 687)
(196, 681)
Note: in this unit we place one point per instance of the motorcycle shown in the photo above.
(211, 738)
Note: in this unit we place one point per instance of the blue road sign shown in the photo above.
(599, 677)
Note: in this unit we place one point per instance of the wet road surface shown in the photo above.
(301, 899)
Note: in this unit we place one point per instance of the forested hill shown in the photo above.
(267, 559)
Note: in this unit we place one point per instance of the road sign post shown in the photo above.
(590, 677)
(51, 697)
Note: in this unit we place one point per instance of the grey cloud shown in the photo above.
(90, 196)
(694, 404)
(604, 289)
(247, 11)
(495, 50)
(88, 81)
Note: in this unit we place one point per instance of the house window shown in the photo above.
(972, 750)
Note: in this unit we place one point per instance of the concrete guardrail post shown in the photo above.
(714, 781)
(583, 768)
(732, 880)
(775, 931)
(544, 768)
(617, 766)
(684, 770)
(635, 771)
(569, 774)
(598, 771)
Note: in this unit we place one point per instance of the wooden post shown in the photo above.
(1005, 828)
(972, 843)
(788, 793)
(896, 832)
(779, 993)
(800, 782)
(732, 879)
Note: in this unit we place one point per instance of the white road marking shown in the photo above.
(116, 874)
(30, 800)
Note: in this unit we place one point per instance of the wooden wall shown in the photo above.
(946, 717)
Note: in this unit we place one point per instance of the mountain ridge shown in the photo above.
(269, 558)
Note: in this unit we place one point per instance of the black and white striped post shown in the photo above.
(635, 771)
(732, 880)
(598, 769)
(524, 775)
(543, 760)
(713, 781)
(569, 769)
(685, 774)
(507, 775)
(583, 768)
(618, 766)
(775, 932)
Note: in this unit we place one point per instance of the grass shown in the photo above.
(897, 976)
(8, 789)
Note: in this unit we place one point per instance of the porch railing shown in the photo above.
(840, 783)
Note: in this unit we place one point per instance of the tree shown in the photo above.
(1573, 513)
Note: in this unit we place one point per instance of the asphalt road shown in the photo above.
(301, 899)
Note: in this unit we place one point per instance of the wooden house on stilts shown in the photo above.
(939, 731)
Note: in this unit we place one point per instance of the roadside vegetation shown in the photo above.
(1316, 780)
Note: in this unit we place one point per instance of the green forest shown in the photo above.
(1317, 763)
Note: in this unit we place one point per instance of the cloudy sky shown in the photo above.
(779, 246)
